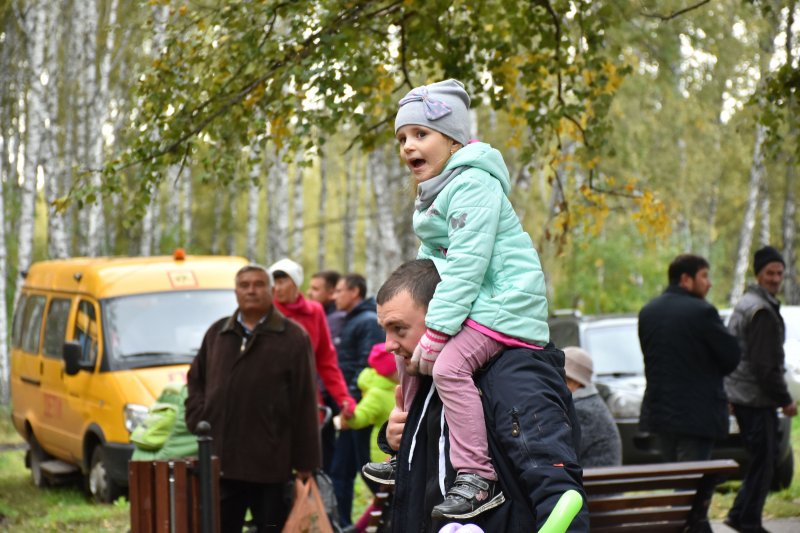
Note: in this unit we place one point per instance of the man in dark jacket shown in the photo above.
(530, 420)
(757, 387)
(687, 352)
(359, 334)
(253, 381)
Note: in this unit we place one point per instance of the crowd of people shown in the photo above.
(446, 385)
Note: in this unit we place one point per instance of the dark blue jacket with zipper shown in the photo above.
(533, 437)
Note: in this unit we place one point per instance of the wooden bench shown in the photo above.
(653, 497)
(165, 496)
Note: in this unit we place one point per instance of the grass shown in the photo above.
(26, 508)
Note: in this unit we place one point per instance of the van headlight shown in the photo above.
(134, 415)
(624, 404)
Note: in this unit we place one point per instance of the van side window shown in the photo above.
(55, 327)
(32, 324)
(86, 332)
(19, 314)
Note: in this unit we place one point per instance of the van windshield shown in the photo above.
(163, 328)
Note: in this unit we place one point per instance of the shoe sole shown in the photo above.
(377, 479)
(491, 504)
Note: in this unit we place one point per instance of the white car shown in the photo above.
(791, 317)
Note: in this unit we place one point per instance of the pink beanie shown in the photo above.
(382, 361)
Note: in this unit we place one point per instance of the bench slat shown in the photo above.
(636, 501)
(640, 483)
(663, 527)
(644, 516)
(716, 466)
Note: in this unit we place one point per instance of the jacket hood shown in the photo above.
(301, 306)
(482, 156)
(365, 305)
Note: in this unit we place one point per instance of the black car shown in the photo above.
(613, 343)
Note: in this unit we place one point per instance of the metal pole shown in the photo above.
(204, 459)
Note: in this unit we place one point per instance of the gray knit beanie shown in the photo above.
(441, 106)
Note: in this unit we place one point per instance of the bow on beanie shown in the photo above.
(441, 106)
(765, 256)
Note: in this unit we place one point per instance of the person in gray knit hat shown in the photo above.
(492, 290)
(601, 444)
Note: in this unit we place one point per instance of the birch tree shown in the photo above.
(387, 246)
(35, 27)
(278, 210)
(322, 211)
(54, 181)
(186, 210)
(4, 361)
(253, 201)
(351, 190)
(791, 290)
(757, 170)
(298, 215)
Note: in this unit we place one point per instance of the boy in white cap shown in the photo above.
(492, 292)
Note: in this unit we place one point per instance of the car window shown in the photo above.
(55, 327)
(85, 332)
(32, 324)
(564, 334)
(19, 318)
(615, 349)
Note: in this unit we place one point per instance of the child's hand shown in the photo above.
(428, 349)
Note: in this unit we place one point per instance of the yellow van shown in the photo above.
(94, 341)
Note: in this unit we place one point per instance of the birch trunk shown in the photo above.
(57, 244)
(278, 183)
(791, 290)
(323, 210)
(749, 220)
(767, 46)
(351, 203)
(35, 120)
(298, 224)
(763, 211)
(388, 245)
(146, 240)
(150, 219)
(172, 218)
(4, 361)
(95, 98)
(186, 211)
(216, 235)
(253, 202)
(230, 226)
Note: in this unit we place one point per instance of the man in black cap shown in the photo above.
(757, 387)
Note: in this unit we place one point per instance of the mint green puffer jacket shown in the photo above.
(489, 268)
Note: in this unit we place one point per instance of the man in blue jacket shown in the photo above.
(530, 421)
(354, 343)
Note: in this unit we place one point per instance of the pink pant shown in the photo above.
(463, 354)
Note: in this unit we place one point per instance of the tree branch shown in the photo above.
(677, 13)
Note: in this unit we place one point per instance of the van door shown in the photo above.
(26, 369)
(84, 399)
(63, 425)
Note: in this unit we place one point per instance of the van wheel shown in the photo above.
(99, 484)
(37, 456)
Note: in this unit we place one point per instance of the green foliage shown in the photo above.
(301, 71)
